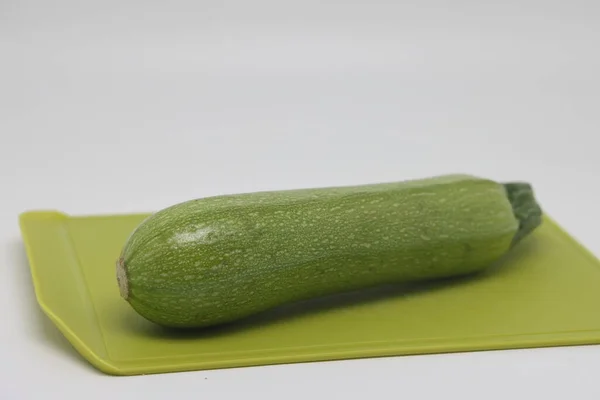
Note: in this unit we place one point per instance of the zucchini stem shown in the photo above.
(525, 207)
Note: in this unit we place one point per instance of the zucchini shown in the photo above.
(218, 259)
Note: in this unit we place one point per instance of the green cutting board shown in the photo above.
(545, 293)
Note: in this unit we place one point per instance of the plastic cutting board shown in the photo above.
(545, 293)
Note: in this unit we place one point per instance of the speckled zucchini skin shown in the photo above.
(219, 259)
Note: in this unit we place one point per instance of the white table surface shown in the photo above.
(121, 106)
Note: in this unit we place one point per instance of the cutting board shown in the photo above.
(546, 292)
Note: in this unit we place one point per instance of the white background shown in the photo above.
(128, 106)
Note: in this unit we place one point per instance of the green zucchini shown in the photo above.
(218, 259)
